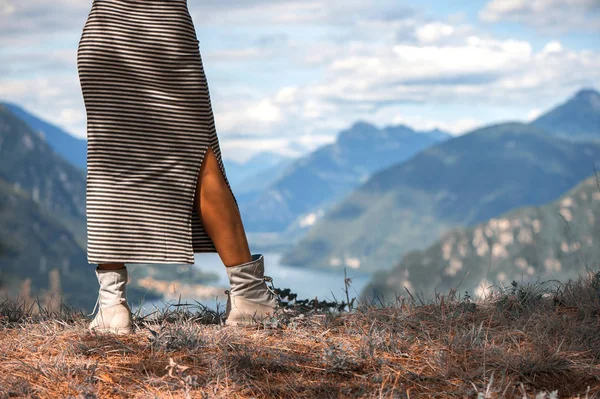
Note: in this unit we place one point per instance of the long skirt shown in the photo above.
(149, 126)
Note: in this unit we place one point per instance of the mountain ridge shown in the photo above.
(71, 148)
(578, 117)
(456, 182)
(555, 240)
(330, 172)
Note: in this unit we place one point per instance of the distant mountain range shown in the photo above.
(312, 183)
(71, 148)
(252, 175)
(459, 182)
(42, 216)
(33, 166)
(271, 188)
(558, 241)
(365, 200)
(34, 241)
(238, 173)
(576, 118)
(249, 179)
(27, 161)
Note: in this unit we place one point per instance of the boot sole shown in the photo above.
(244, 321)
(120, 331)
(250, 323)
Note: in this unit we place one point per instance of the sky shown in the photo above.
(287, 76)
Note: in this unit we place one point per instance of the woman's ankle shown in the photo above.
(111, 266)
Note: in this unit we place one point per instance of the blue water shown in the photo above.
(307, 283)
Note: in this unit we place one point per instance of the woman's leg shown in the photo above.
(219, 214)
(248, 298)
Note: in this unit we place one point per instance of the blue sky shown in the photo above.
(287, 76)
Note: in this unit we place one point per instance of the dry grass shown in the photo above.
(524, 341)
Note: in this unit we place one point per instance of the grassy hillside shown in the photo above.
(531, 341)
(559, 241)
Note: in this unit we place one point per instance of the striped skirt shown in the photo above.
(149, 126)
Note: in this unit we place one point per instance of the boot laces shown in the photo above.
(98, 301)
(270, 289)
(95, 306)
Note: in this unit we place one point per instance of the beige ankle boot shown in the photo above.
(114, 314)
(249, 299)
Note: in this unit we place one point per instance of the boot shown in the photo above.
(249, 299)
(114, 314)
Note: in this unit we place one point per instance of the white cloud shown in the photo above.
(31, 21)
(53, 97)
(237, 55)
(553, 47)
(479, 70)
(291, 12)
(244, 149)
(433, 32)
(397, 115)
(265, 111)
(70, 116)
(549, 15)
(533, 114)
(286, 95)
(6, 8)
(315, 67)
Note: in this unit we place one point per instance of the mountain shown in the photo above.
(28, 161)
(71, 148)
(257, 173)
(260, 180)
(312, 182)
(577, 118)
(34, 242)
(559, 240)
(258, 163)
(264, 164)
(42, 216)
(459, 182)
(247, 178)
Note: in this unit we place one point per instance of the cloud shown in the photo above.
(533, 114)
(548, 15)
(285, 12)
(31, 21)
(362, 79)
(287, 75)
(55, 98)
(433, 32)
(480, 69)
(397, 115)
(244, 149)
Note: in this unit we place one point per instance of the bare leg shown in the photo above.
(111, 266)
(220, 217)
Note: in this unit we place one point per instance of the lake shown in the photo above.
(307, 283)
